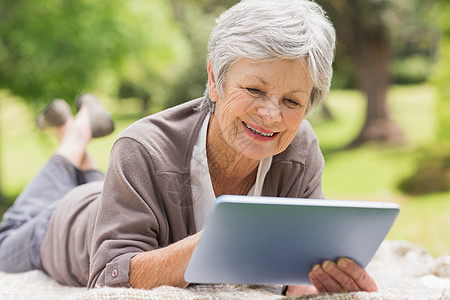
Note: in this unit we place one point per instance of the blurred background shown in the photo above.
(384, 128)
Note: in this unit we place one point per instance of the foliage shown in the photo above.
(442, 82)
(197, 27)
(412, 38)
(412, 69)
(433, 168)
(432, 173)
(161, 53)
(196, 18)
(54, 48)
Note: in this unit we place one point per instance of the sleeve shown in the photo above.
(127, 221)
(311, 185)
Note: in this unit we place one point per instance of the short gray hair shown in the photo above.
(268, 30)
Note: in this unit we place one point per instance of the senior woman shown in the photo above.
(269, 63)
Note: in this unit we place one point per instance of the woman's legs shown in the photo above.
(25, 223)
(74, 137)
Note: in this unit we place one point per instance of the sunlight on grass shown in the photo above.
(347, 108)
(369, 172)
(425, 220)
(413, 107)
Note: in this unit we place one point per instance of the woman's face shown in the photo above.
(262, 106)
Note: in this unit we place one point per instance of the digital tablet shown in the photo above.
(268, 240)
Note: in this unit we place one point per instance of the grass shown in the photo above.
(425, 221)
(371, 172)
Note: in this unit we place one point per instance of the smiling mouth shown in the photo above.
(256, 131)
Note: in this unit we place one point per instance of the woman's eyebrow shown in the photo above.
(265, 83)
(300, 91)
(262, 80)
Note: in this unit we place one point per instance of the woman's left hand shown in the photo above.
(343, 276)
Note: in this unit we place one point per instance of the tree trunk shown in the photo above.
(365, 37)
(371, 58)
(145, 100)
(326, 112)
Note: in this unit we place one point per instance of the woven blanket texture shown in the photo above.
(401, 270)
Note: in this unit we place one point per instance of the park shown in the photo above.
(384, 128)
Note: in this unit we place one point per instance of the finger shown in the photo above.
(319, 287)
(329, 284)
(346, 282)
(296, 290)
(359, 275)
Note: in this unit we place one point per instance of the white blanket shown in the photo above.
(401, 269)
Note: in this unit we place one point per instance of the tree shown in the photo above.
(364, 32)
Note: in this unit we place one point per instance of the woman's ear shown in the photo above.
(212, 88)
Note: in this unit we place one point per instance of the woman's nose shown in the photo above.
(269, 111)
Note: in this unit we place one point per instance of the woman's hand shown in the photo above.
(329, 277)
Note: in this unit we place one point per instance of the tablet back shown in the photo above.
(264, 240)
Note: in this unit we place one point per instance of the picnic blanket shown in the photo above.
(401, 269)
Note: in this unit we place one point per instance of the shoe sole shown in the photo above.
(101, 120)
(55, 114)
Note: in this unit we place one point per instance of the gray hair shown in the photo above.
(268, 30)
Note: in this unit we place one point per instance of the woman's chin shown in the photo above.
(257, 153)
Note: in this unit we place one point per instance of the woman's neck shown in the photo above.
(231, 172)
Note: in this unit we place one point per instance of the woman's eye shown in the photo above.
(292, 102)
(253, 91)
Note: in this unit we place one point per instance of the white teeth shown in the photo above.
(257, 131)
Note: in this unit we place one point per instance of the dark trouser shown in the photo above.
(25, 223)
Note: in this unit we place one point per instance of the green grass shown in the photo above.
(425, 221)
(371, 172)
(368, 172)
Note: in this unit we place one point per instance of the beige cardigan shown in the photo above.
(146, 202)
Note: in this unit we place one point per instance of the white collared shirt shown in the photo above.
(202, 189)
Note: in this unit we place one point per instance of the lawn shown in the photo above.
(371, 172)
